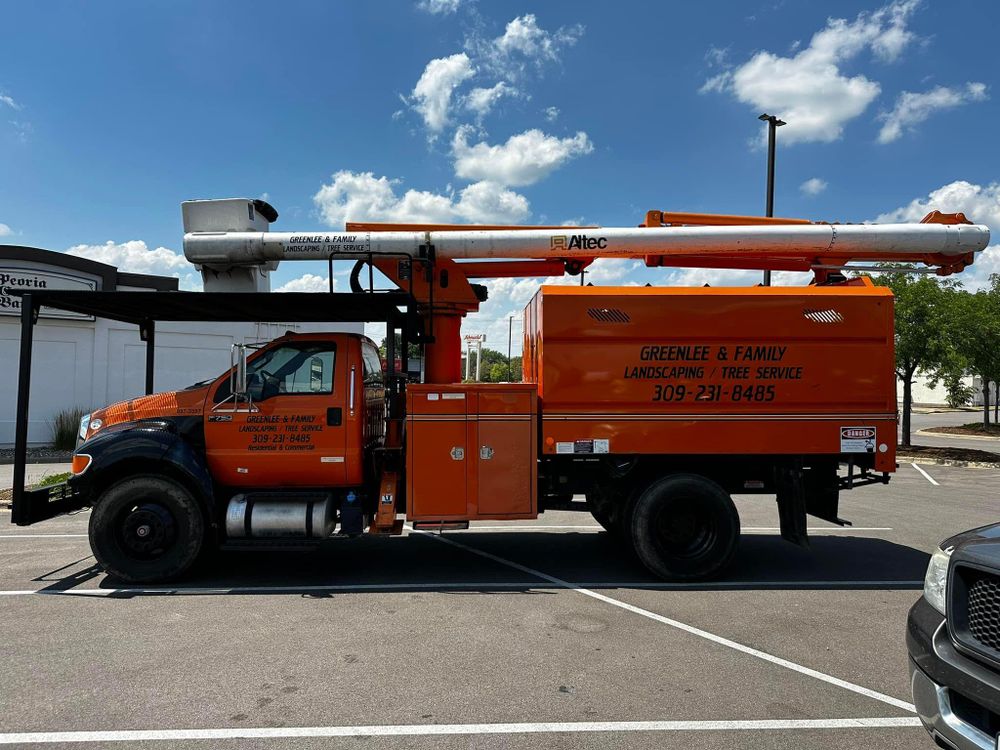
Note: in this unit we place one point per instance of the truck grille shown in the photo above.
(984, 611)
(976, 611)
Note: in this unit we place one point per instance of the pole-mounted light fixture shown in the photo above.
(773, 123)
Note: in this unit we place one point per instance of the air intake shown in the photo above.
(608, 315)
(823, 316)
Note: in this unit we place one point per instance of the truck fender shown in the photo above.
(149, 447)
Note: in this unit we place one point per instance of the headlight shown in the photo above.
(84, 425)
(936, 580)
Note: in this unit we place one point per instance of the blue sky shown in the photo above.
(113, 113)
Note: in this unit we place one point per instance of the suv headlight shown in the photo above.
(936, 580)
(84, 426)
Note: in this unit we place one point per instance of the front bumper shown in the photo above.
(957, 698)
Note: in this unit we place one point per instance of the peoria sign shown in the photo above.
(33, 279)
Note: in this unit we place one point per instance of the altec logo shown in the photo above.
(857, 433)
(577, 242)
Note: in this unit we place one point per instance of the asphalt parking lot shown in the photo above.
(535, 634)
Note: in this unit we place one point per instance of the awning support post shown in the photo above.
(147, 332)
(29, 315)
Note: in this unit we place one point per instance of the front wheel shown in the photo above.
(146, 529)
(685, 527)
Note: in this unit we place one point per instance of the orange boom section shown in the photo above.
(737, 371)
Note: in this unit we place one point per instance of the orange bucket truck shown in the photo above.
(656, 404)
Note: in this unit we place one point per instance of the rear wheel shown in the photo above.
(685, 527)
(146, 529)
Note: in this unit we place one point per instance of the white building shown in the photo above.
(924, 395)
(80, 362)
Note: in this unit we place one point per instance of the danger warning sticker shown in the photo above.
(584, 446)
(857, 439)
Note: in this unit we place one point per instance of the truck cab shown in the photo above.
(272, 447)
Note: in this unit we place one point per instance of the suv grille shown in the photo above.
(976, 611)
(984, 611)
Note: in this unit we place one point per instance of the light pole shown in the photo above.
(773, 123)
(510, 337)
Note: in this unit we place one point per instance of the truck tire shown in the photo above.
(685, 527)
(146, 529)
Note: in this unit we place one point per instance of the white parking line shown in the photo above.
(430, 730)
(927, 476)
(765, 656)
(593, 528)
(444, 586)
(513, 528)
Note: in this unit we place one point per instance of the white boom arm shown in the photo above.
(857, 240)
(206, 245)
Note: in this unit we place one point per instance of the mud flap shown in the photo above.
(791, 496)
(822, 486)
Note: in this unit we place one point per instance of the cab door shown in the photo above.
(291, 432)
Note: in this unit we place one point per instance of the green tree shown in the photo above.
(412, 351)
(975, 332)
(493, 368)
(922, 333)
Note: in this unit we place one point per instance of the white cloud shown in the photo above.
(308, 282)
(360, 196)
(432, 95)
(135, 257)
(5, 230)
(809, 90)
(551, 113)
(980, 204)
(439, 7)
(734, 277)
(482, 100)
(507, 297)
(523, 36)
(9, 101)
(813, 186)
(911, 109)
(523, 45)
(524, 159)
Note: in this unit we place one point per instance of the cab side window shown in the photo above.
(290, 369)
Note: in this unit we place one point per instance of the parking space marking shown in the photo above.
(40, 536)
(428, 730)
(444, 586)
(763, 655)
(927, 476)
(290, 589)
(595, 528)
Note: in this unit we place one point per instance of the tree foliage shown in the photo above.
(974, 334)
(494, 367)
(922, 333)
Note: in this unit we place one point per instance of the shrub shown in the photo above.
(65, 428)
(51, 479)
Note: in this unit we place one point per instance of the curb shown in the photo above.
(931, 432)
(948, 462)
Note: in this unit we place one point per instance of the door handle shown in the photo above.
(334, 416)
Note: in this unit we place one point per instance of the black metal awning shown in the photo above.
(262, 307)
(397, 309)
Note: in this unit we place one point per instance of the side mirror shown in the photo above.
(255, 388)
(238, 360)
(316, 374)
